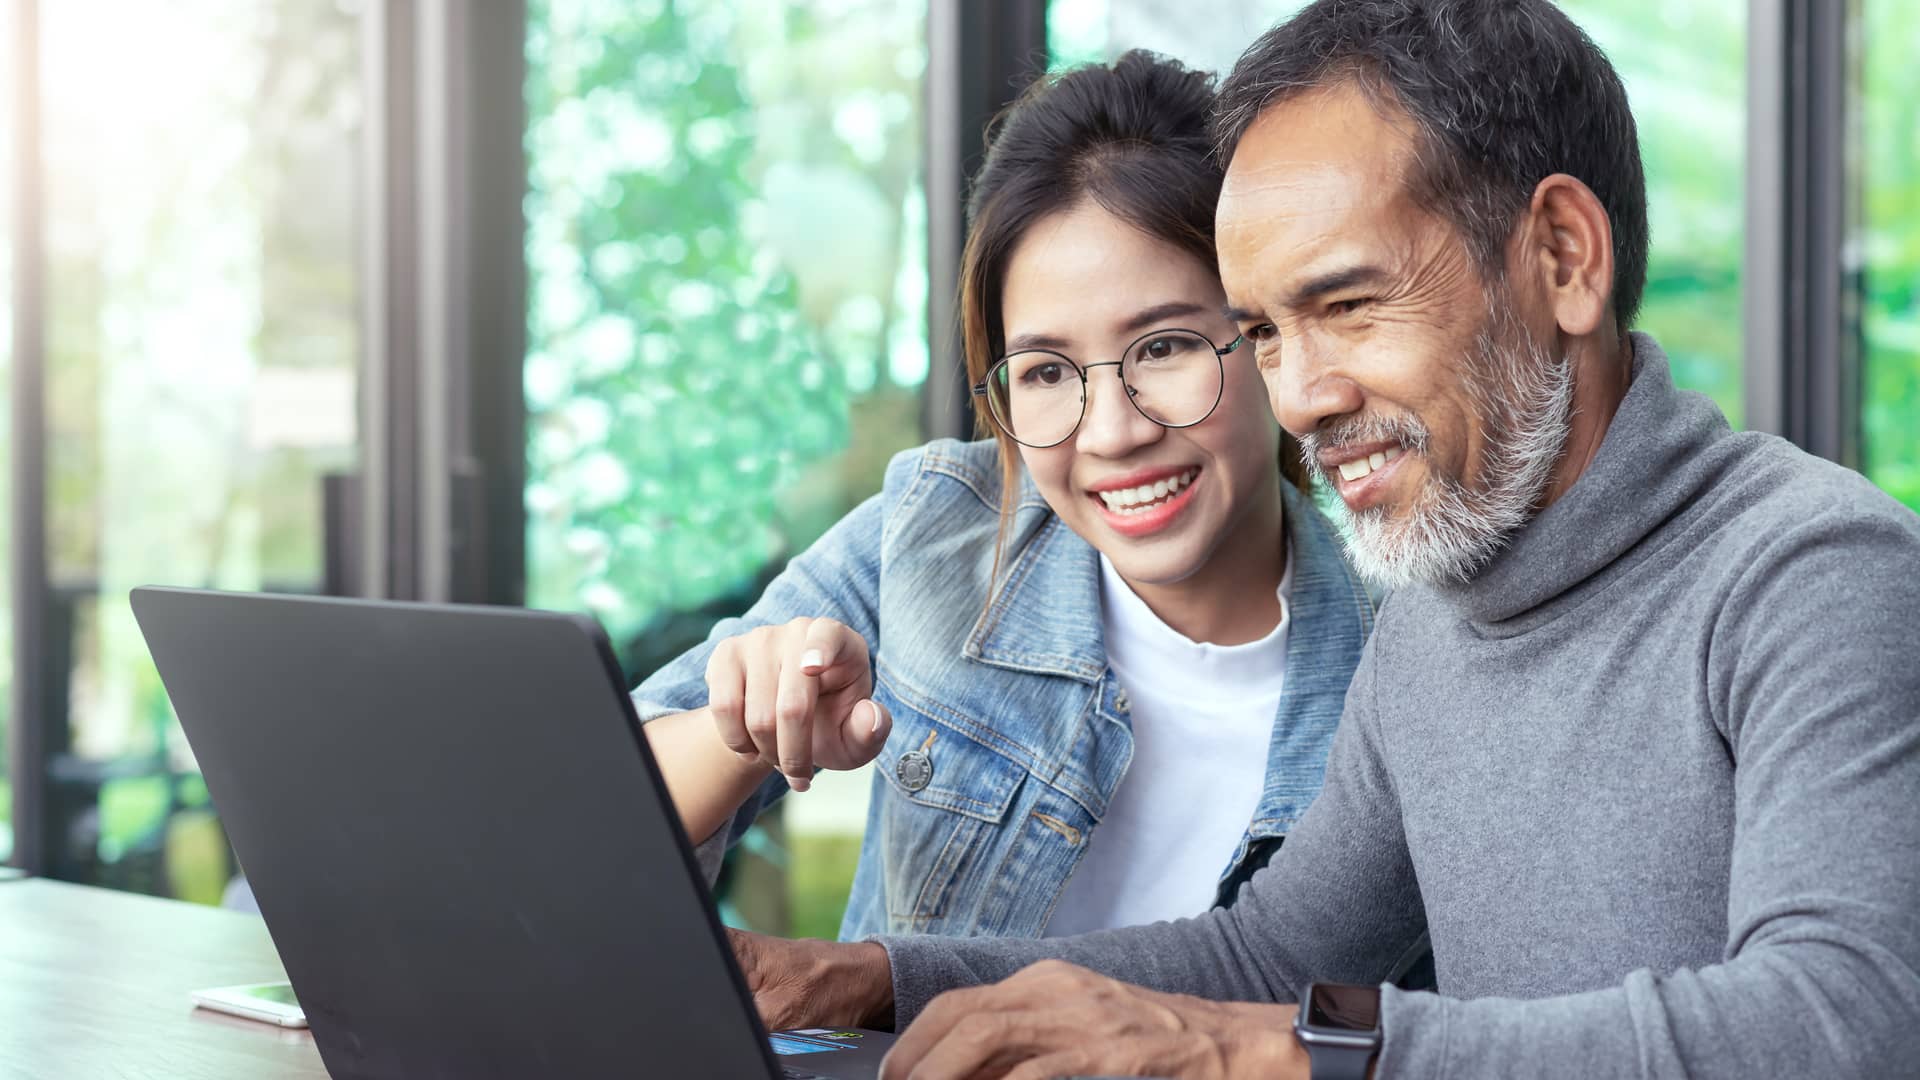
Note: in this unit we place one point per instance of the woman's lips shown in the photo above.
(1156, 517)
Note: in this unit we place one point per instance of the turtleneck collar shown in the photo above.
(1653, 461)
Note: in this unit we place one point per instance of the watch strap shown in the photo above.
(1340, 1062)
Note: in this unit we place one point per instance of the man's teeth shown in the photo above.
(1135, 499)
(1359, 467)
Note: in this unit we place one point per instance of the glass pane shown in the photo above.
(1889, 250)
(201, 376)
(1207, 34)
(7, 107)
(727, 322)
(1688, 87)
(1687, 81)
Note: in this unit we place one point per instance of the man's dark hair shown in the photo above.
(1504, 93)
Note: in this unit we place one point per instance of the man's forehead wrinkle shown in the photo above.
(1319, 184)
(1348, 111)
(1316, 183)
(1294, 245)
(1292, 164)
(1325, 195)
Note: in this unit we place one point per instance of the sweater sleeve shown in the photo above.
(1814, 679)
(1338, 902)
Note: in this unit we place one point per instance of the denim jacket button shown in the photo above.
(914, 770)
(1121, 703)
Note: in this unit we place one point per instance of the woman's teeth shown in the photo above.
(1359, 467)
(1135, 499)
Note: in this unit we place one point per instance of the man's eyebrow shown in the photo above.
(1305, 293)
(1334, 281)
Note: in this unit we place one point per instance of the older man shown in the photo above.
(1636, 742)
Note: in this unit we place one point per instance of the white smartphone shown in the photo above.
(273, 1003)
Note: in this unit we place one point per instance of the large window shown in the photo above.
(727, 291)
(1209, 35)
(727, 337)
(7, 107)
(199, 208)
(1686, 81)
(1687, 84)
(1889, 247)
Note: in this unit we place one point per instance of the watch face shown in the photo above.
(1345, 1008)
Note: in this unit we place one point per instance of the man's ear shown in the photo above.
(1569, 245)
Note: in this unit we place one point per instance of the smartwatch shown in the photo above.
(1340, 1027)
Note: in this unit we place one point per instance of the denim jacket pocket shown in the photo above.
(943, 798)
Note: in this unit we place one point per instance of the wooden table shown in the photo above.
(94, 983)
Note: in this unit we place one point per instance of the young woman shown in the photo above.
(1098, 661)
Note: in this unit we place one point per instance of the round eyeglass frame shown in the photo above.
(982, 389)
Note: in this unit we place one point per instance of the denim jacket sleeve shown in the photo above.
(837, 577)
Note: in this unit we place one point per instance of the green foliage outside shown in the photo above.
(819, 873)
(1889, 162)
(1684, 66)
(671, 384)
(702, 339)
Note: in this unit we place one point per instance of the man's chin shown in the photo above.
(1379, 550)
(1397, 547)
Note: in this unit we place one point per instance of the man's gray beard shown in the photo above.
(1523, 395)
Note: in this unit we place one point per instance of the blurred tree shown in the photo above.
(669, 378)
(720, 221)
(1889, 251)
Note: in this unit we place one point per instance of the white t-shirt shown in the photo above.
(1202, 724)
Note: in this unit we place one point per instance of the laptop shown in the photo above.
(461, 844)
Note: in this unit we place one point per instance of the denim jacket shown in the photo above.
(1010, 734)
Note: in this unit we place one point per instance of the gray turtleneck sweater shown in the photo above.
(1651, 782)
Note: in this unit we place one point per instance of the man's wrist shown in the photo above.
(1263, 1041)
(873, 973)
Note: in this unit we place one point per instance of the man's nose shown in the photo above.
(1305, 390)
(1111, 426)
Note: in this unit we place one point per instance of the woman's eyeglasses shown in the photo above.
(1038, 396)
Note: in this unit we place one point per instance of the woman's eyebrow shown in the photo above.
(1023, 342)
(1146, 317)
(1132, 324)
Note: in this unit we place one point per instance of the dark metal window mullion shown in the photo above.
(488, 412)
(33, 728)
(391, 364)
(1803, 329)
(980, 55)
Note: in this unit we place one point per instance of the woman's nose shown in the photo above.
(1111, 425)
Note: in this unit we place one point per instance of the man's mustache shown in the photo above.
(1404, 429)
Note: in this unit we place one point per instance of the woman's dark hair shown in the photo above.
(1132, 137)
